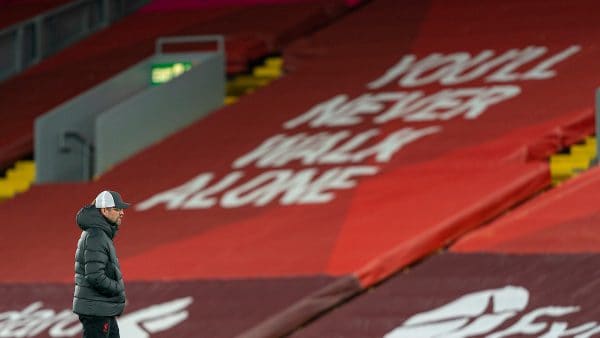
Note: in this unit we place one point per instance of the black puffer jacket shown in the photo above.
(99, 287)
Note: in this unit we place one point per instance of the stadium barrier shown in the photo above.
(90, 133)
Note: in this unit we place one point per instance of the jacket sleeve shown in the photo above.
(96, 259)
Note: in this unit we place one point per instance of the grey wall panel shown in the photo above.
(103, 126)
(60, 159)
(159, 112)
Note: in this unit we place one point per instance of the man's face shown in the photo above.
(115, 215)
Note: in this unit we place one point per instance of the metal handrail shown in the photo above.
(41, 50)
(42, 16)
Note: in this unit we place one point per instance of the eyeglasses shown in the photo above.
(117, 209)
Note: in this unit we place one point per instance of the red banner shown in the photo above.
(475, 296)
(398, 129)
(317, 174)
(216, 309)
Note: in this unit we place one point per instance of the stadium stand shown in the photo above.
(474, 295)
(37, 29)
(576, 159)
(534, 258)
(261, 75)
(401, 127)
(17, 179)
(251, 32)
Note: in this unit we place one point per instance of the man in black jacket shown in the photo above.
(99, 289)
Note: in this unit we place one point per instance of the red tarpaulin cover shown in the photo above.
(351, 191)
(214, 308)
(401, 127)
(250, 32)
(563, 220)
(475, 296)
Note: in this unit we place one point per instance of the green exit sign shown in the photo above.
(165, 72)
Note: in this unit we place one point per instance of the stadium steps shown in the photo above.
(17, 179)
(251, 32)
(260, 75)
(578, 158)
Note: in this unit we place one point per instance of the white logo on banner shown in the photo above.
(34, 320)
(480, 314)
(358, 154)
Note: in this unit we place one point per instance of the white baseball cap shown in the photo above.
(110, 199)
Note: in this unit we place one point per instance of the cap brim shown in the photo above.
(122, 205)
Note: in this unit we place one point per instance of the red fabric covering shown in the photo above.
(410, 199)
(15, 11)
(563, 220)
(205, 308)
(250, 32)
(371, 225)
(427, 192)
(476, 296)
